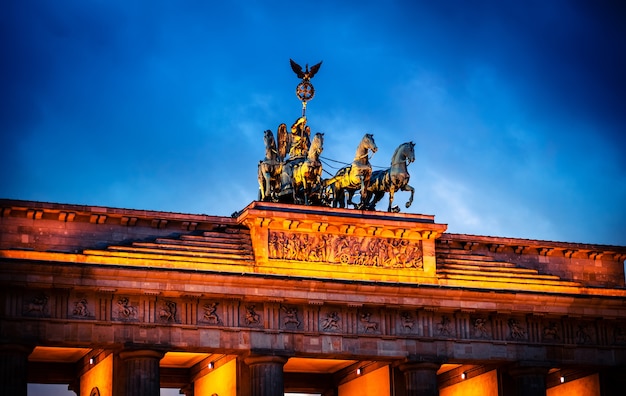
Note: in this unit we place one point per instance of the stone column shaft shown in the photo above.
(14, 370)
(266, 375)
(421, 378)
(529, 381)
(142, 375)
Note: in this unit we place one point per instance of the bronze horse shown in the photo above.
(308, 173)
(395, 178)
(269, 168)
(354, 176)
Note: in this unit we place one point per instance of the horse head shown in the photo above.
(268, 138)
(317, 145)
(408, 149)
(368, 142)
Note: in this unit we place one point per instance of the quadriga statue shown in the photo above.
(291, 170)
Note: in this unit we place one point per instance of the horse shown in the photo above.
(355, 175)
(307, 174)
(395, 178)
(270, 168)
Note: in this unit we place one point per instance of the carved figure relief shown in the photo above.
(37, 306)
(251, 317)
(620, 335)
(331, 322)
(290, 317)
(582, 334)
(407, 321)
(350, 250)
(516, 330)
(551, 332)
(210, 313)
(480, 328)
(125, 311)
(366, 321)
(443, 327)
(167, 311)
(80, 308)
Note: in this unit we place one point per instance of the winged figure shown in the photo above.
(307, 74)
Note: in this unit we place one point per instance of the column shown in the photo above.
(141, 372)
(14, 369)
(266, 375)
(612, 381)
(529, 380)
(421, 378)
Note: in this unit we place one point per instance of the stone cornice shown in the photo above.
(106, 215)
(339, 221)
(535, 247)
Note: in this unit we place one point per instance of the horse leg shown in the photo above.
(409, 188)
(261, 180)
(392, 191)
(375, 198)
(268, 177)
(304, 190)
(363, 192)
(340, 197)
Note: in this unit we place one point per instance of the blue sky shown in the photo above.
(517, 108)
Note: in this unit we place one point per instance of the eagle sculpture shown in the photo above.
(307, 74)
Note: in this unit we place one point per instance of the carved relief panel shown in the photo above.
(346, 249)
(36, 304)
(290, 317)
(330, 320)
(167, 311)
(125, 309)
(81, 306)
(369, 322)
(211, 313)
(250, 314)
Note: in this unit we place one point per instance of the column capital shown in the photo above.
(422, 362)
(16, 348)
(527, 369)
(411, 366)
(141, 353)
(262, 359)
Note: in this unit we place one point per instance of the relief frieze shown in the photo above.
(551, 332)
(516, 331)
(346, 249)
(330, 321)
(37, 306)
(353, 320)
(167, 312)
(444, 326)
(367, 323)
(81, 308)
(251, 317)
(290, 317)
(407, 321)
(481, 328)
(210, 314)
(125, 310)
